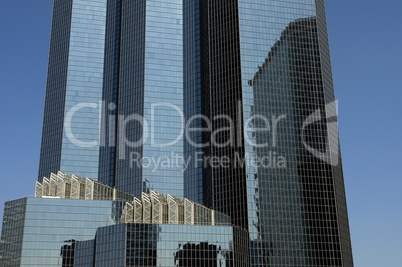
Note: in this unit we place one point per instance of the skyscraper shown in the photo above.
(71, 124)
(268, 63)
(143, 67)
(226, 103)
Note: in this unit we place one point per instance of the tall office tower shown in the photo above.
(266, 66)
(255, 75)
(70, 135)
(143, 94)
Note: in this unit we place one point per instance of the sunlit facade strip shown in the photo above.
(152, 208)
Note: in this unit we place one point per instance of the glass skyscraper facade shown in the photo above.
(71, 122)
(225, 108)
(193, 108)
(268, 63)
(143, 94)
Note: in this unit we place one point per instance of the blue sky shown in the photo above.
(366, 49)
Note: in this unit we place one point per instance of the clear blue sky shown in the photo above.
(366, 49)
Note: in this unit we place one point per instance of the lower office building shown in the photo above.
(42, 230)
(166, 231)
(55, 228)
